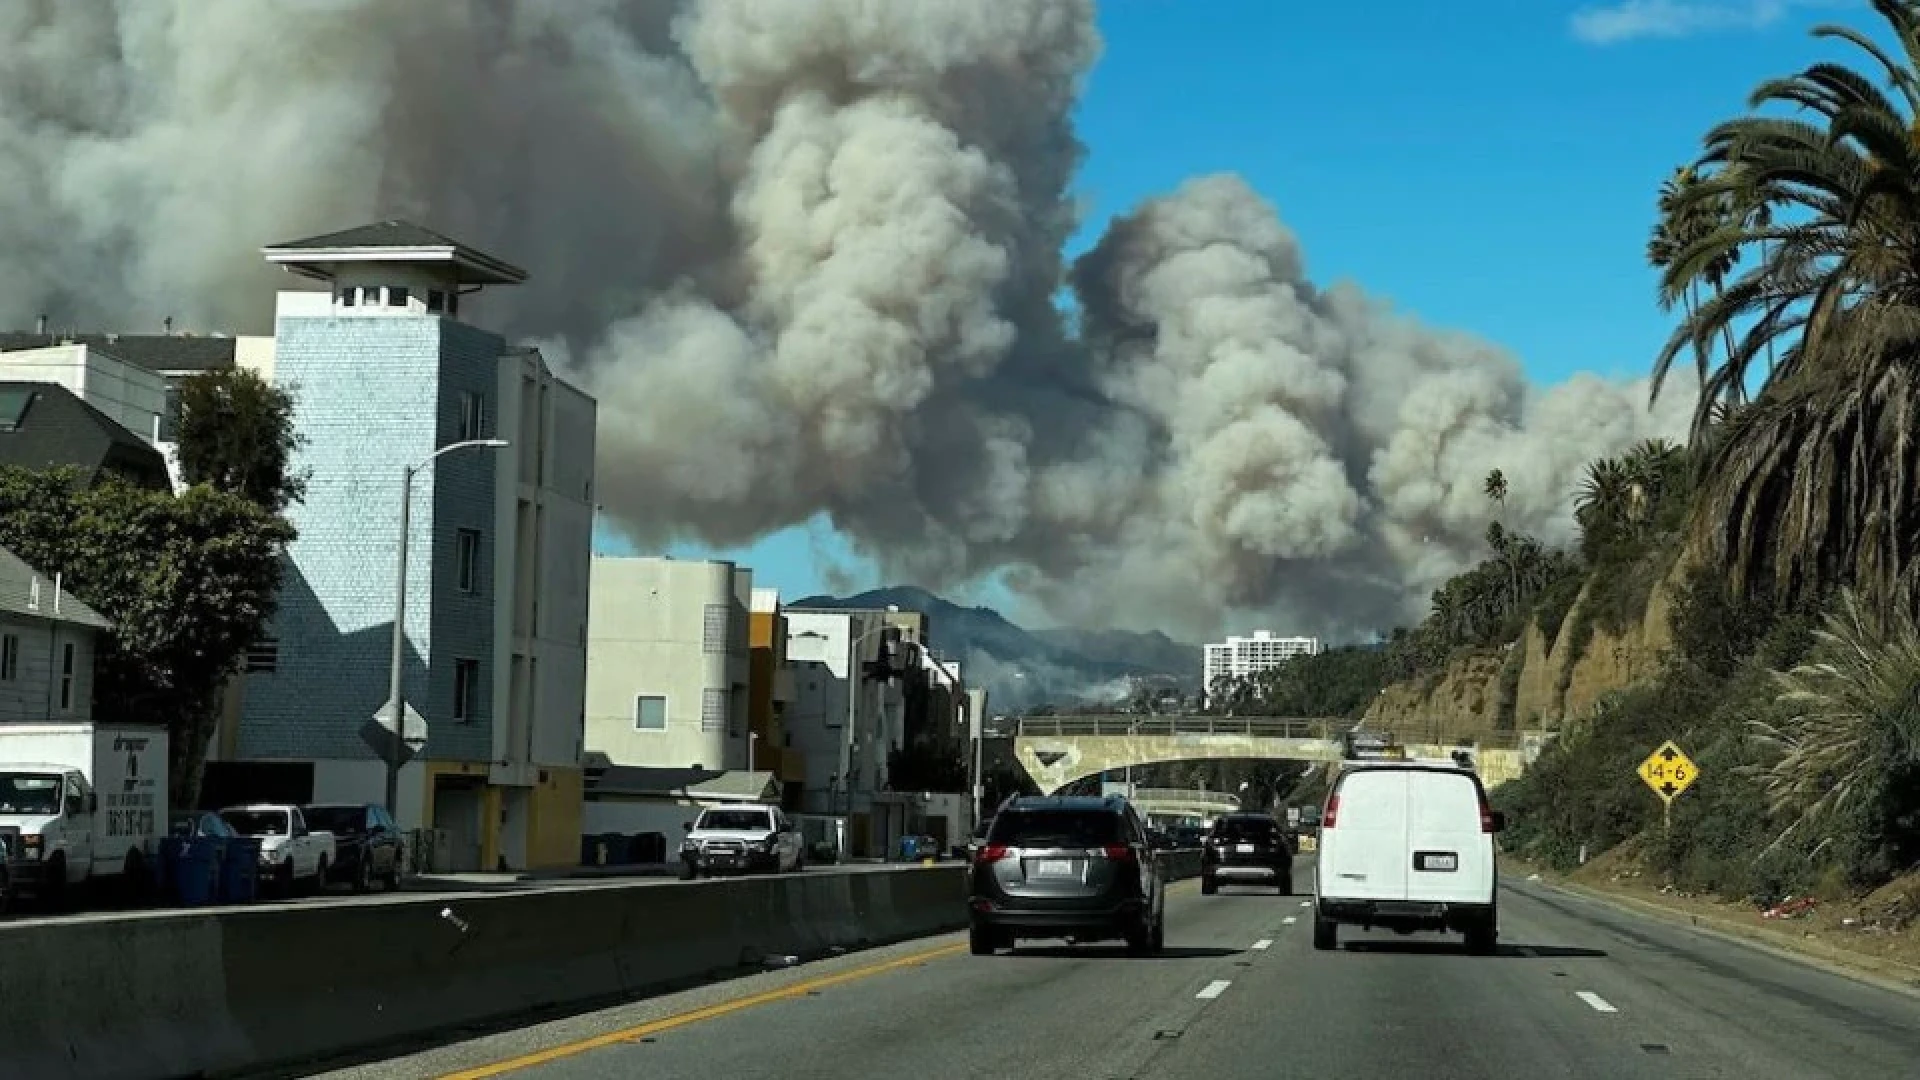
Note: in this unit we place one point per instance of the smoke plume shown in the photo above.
(806, 256)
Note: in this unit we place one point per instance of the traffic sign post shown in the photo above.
(1668, 771)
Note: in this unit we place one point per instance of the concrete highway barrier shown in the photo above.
(166, 996)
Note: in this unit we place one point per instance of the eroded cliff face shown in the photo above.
(1547, 681)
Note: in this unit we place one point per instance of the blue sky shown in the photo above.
(1488, 165)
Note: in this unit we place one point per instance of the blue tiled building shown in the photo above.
(385, 371)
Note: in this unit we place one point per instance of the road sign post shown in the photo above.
(1668, 771)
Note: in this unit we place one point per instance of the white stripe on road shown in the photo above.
(1213, 990)
(1289, 921)
(1263, 945)
(1599, 1003)
(1306, 903)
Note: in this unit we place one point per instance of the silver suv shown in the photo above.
(1067, 867)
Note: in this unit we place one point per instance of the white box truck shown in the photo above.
(81, 803)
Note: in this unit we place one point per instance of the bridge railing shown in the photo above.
(1271, 727)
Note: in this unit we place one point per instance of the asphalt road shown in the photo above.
(1578, 989)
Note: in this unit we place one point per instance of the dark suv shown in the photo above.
(1250, 849)
(1078, 868)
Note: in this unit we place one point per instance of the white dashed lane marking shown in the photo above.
(1599, 1003)
(1288, 921)
(1263, 945)
(1213, 990)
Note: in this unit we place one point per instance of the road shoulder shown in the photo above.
(1787, 940)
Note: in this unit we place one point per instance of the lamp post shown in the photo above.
(400, 609)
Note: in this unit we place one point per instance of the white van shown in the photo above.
(1407, 846)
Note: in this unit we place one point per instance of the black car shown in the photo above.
(1078, 868)
(366, 843)
(1246, 849)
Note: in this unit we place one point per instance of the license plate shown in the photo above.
(1244, 849)
(1055, 868)
(1440, 861)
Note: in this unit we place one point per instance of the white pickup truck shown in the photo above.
(291, 853)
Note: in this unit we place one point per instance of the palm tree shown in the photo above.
(1495, 487)
(1817, 477)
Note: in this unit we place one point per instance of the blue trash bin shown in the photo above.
(909, 848)
(197, 877)
(240, 871)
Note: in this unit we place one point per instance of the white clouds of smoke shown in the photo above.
(805, 255)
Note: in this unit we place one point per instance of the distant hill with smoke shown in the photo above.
(1022, 668)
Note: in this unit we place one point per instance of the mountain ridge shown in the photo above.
(1022, 668)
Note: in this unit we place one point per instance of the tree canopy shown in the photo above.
(236, 434)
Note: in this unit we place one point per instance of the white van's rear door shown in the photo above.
(1364, 855)
(1451, 857)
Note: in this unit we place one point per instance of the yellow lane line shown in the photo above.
(694, 1016)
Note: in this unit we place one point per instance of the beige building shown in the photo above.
(667, 663)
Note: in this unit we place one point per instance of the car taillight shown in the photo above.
(1119, 852)
(993, 853)
(1486, 816)
(1332, 811)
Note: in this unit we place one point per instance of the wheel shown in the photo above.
(57, 892)
(1286, 885)
(1483, 937)
(1208, 886)
(393, 870)
(687, 870)
(800, 861)
(1144, 940)
(981, 939)
(363, 876)
(1326, 934)
(285, 878)
(1159, 933)
(320, 875)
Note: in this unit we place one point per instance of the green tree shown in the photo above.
(1810, 482)
(188, 583)
(236, 434)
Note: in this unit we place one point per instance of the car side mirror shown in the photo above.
(1497, 821)
(686, 826)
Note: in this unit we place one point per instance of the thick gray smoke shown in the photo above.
(806, 255)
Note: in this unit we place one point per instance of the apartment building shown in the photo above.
(845, 723)
(389, 375)
(668, 667)
(769, 693)
(1240, 656)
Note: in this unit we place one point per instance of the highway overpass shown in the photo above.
(1058, 750)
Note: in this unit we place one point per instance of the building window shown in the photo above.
(170, 413)
(397, 296)
(466, 691)
(713, 630)
(263, 657)
(349, 295)
(67, 668)
(649, 713)
(436, 301)
(473, 416)
(467, 559)
(713, 710)
(9, 657)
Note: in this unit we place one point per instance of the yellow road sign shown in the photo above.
(1669, 771)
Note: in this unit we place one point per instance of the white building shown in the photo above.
(1239, 656)
(843, 725)
(667, 663)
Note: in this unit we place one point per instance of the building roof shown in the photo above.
(47, 426)
(390, 241)
(18, 596)
(165, 353)
(736, 785)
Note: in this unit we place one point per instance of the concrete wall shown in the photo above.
(181, 994)
(667, 628)
(33, 692)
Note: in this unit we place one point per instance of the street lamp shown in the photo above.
(394, 700)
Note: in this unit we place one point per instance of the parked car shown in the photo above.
(1246, 849)
(196, 826)
(1407, 846)
(1078, 868)
(366, 843)
(741, 839)
(292, 853)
